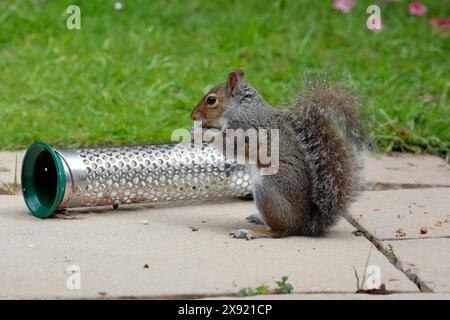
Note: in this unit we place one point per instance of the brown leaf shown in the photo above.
(403, 131)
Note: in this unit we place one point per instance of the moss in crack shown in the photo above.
(283, 287)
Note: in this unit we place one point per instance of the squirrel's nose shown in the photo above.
(196, 115)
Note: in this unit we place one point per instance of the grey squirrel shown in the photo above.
(319, 142)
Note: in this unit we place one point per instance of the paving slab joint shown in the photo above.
(381, 186)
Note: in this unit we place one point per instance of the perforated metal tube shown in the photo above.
(127, 175)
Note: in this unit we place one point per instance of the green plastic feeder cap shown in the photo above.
(43, 179)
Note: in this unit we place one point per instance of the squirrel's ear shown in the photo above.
(233, 81)
(240, 73)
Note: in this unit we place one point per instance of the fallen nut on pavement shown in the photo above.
(400, 233)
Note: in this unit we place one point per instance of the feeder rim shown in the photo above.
(29, 190)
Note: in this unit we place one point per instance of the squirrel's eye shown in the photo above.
(211, 100)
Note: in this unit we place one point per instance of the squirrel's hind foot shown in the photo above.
(255, 234)
(242, 234)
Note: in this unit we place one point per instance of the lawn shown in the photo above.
(133, 75)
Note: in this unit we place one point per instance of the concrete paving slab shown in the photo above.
(114, 248)
(402, 170)
(426, 260)
(343, 296)
(402, 214)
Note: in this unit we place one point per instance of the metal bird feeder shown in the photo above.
(54, 179)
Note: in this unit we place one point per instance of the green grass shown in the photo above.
(133, 76)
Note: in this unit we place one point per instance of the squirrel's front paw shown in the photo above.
(255, 218)
(242, 234)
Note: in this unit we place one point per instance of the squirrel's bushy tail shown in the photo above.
(331, 130)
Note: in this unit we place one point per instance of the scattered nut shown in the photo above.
(438, 223)
(146, 266)
(400, 233)
(194, 229)
(423, 230)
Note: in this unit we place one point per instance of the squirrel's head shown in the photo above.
(211, 107)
